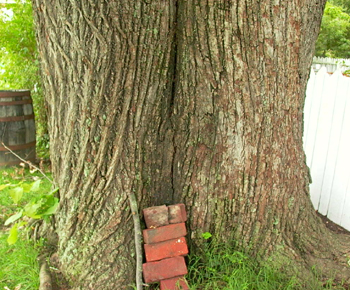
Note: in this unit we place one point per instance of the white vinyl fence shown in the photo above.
(327, 143)
(331, 64)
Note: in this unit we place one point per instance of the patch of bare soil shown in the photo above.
(333, 226)
(339, 230)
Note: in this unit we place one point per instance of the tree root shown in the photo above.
(45, 277)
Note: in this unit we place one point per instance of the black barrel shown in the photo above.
(17, 127)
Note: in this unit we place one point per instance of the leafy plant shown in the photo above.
(206, 235)
(347, 73)
(40, 206)
(19, 266)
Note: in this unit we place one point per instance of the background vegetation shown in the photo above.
(334, 37)
(19, 65)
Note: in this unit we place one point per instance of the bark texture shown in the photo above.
(241, 74)
(198, 102)
(107, 68)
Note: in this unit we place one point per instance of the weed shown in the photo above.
(19, 267)
(29, 201)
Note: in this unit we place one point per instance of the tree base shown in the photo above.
(325, 260)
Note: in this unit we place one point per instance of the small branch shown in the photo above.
(45, 277)
(31, 165)
(138, 240)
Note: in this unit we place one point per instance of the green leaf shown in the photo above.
(31, 210)
(13, 236)
(26, 187)
(51, 210)
(3, 186)
(206, 235)
(54, 191)
(13, 218)
(16, 194)
(35, 185)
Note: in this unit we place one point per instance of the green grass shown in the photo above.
(223, 267)
(18, 262)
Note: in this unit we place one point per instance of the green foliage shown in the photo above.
(18, 48)
(39, 206)
(18, 260)
(206, 235)
(24, 198)
(345, 4)
(334, 38)
(19, 66)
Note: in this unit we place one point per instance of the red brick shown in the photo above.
(177, 283)
(177, 213)
(166, 249)
(164, 269)
(156, 216)
(164, 233)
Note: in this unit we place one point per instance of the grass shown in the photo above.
(19, 268)
(18, 264)
(223, 267)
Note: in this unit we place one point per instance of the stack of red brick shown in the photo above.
(165, 246)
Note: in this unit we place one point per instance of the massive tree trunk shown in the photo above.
(198, 102)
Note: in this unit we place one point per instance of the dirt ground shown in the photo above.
(333, 226)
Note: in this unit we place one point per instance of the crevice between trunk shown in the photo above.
(174, 83)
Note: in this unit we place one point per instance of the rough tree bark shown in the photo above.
(198, 102)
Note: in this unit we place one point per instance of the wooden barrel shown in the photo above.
(17, 127)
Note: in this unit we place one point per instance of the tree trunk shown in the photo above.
(107, 68)
(198, 102)
(239, 162)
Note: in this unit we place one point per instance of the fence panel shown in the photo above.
(327, 143)
(331, 64)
